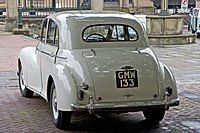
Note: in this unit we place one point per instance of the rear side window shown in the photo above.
(109, 33)
(44, 30)
(52, 34)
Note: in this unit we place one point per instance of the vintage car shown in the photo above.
(96, 62)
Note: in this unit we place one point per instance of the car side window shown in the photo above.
(132, 34)
(44, 30)
(52, 34)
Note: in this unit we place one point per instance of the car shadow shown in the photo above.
(112, 123)
(105, 123)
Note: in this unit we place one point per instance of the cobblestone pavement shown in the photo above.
(19, 114)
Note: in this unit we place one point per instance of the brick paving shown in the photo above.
(10, 45)
(19, 114)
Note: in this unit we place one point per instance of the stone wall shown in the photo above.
(143, 7)
(2, 1)
(161, 25)
(168, 30)
(143, 3)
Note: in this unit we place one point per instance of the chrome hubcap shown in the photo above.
(54, 104)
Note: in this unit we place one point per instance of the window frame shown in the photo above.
(56, 31)
(42, 37)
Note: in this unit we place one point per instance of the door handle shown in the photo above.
(61, 57)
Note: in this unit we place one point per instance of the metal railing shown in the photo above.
(42, 8)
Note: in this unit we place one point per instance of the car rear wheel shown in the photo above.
(154, 115)
(23, 89)
(61, 119)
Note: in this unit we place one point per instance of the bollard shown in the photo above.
(20, 25)
(78, 4)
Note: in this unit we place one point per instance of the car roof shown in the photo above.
(76, 21)
(91, 14)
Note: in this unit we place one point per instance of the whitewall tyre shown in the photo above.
(23, 89)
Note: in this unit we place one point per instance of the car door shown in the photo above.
(48, 51)
(34, 78)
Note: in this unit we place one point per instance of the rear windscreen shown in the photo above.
(109, 33)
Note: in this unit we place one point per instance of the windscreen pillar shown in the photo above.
(12, 15)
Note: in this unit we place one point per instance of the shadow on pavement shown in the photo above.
(113, 123)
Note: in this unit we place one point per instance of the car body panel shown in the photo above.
(65, 86)
(47, 58)
(104, 74)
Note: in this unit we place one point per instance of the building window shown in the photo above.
(130, 1)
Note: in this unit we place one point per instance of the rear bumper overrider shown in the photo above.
(124, 107)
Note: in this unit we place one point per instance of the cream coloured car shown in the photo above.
(96, 62)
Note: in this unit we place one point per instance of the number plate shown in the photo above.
(127, 79)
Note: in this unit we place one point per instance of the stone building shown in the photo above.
(2, 1)
(131, 6)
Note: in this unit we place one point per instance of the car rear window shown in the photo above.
(109, 33)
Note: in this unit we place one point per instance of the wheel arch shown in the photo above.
(168, 80)
(19, 63)
(65, 87)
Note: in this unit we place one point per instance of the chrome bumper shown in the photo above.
(125, 106)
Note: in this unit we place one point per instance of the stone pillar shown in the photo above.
(198, 3)
(97, 4)
(48, 3)
(81, 2)
(126, 3)
(164, 5)
(12, 14)
(121, 3)
(164, 8)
